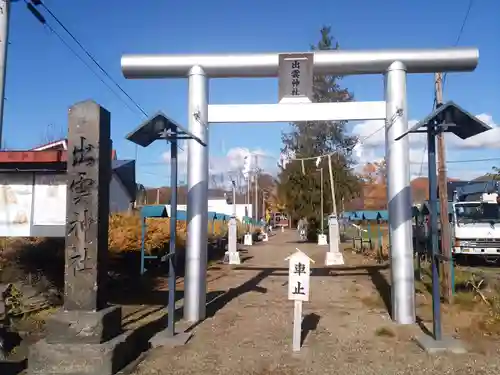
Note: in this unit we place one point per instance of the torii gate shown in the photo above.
(394, 64)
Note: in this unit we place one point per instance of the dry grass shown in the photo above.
(125, 233)
(385, 332)
(373, 302)
(41, 260)
(475, 312)
(476, 304)
(380, 246)
(490, 324)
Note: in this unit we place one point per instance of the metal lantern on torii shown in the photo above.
(447, 118)
(159, 127)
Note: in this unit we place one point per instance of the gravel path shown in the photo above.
(251, 332)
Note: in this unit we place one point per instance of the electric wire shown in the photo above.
(44, 22)
(360, 142)
(459, 36)
(90, 56)
(473, 160)
(461, 32)
(31, 7)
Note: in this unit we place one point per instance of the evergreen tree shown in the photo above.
(301, 191)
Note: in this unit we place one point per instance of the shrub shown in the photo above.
(125, 234)
(33, 259)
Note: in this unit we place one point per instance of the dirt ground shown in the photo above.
(346, 326)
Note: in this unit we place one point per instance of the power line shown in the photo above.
(468, 160)
(460, 32)
(459, 36)
(42, 20)
(473, 160)
(89, 55)
(335, 152)
(422, 162)
(372, 134)
(104, 71)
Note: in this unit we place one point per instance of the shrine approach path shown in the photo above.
(249, 328)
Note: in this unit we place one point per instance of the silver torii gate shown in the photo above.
(394, 64)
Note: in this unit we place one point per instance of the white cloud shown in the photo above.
(372, 147)
(489, 139)
(371, 134)
(370, 131)
(232, 162)
(417, 156)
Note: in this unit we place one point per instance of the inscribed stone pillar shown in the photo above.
(87, 207)
(85, 336)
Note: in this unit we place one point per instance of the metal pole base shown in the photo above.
(445, 345)
(163, 339)
(334, 234)
(231, 257)
(247, 240)
(322, 240)
(232, 245)
(334, 258)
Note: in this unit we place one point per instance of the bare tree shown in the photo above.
(218, 181)
(53, 133)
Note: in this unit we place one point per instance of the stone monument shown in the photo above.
(85, 336)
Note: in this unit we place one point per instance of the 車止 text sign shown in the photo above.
(299, 274)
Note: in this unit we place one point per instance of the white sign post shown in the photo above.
(333, 256)
(299, 274)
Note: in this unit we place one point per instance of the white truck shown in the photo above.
(476, 221)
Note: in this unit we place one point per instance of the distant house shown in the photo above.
(33, 190)
(123, 187)
(61, 145)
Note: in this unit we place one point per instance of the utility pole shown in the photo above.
(264, 196)
(256, 198)
(233, 185)
(447, 281)
(322, 208)
(248, 211)
(4, 41)
(332, 187)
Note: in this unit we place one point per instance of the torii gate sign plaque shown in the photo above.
(394, 64)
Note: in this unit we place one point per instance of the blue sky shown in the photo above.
(44, 78)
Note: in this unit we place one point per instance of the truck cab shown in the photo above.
(476, 221)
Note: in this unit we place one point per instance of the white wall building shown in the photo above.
(220, 206)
